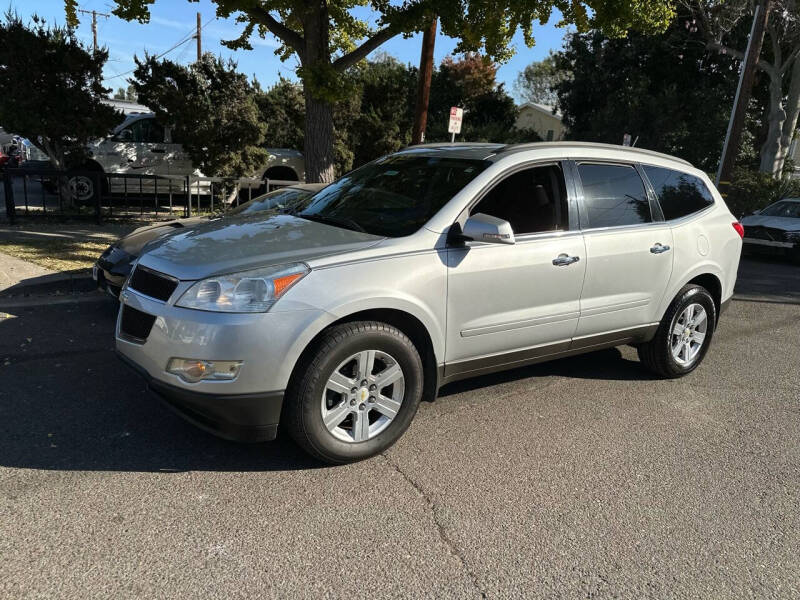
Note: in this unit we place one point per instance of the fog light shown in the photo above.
(194, 370)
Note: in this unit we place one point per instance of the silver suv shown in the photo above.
(430, 265)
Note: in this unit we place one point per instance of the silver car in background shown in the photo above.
(433, 264)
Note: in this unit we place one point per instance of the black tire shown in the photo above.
(656, 354)
(302, 415)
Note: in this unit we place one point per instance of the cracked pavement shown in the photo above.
(583, 477)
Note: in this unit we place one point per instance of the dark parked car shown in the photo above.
(774, 230)
(114, 265)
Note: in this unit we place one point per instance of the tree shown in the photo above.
(128, 94)
(211, 109)
(52, 91)
(538, 81)
(328, 38)
(489, 112)
(721, 23)
(664, 89)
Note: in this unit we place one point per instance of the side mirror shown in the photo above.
(485, 228)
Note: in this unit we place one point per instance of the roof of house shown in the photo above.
(542, 108)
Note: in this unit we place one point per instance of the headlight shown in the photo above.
(247, 291)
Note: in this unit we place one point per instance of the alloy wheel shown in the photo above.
(688, 334)
(362, 396)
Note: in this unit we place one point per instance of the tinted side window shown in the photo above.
(679, 194)
(614, 195)
(152, 131)
(532, 201)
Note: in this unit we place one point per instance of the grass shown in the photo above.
(63, 255)
(66, 246)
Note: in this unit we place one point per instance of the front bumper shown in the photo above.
(237, 417)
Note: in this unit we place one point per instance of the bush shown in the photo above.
(753, 190)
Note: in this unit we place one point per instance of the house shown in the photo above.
(542, 119)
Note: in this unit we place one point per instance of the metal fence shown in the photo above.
(98, 195)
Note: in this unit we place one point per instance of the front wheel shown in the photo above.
(356, 393)
(683, 338)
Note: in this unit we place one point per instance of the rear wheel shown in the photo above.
(83, 187)
(685, 333)
(356, 394)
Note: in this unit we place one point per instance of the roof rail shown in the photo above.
(595, 145)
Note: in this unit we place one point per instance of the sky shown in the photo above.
(173, 20)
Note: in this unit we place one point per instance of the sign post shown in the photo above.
(454, 127)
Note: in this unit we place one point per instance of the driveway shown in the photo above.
(583, 477)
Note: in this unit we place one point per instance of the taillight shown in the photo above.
(739, 228)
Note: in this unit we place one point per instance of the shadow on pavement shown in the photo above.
(604, 364)
(68, 403)
(768, 279)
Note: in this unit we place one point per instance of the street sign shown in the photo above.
(456, 115)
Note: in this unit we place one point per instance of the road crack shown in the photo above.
(440, 529)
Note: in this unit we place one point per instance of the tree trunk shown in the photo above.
(319, 112)
(792, 113)
(319, 140)
(775, 119)
(56, 155)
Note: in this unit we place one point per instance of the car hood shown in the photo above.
(249, 242)
(785, 223)
(136, 240)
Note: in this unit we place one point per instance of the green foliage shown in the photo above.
(753, 190)
(212, 110)
(52, 90)
(665, 89)
(489, 112)
(282, 110)
(539, 80)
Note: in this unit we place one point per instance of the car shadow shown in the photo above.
(68, 403)
(606, 364)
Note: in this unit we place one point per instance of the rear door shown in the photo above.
(629, 249)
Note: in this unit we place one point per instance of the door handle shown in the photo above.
(659, 248)
(562, 260)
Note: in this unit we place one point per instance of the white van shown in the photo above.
(141, 145)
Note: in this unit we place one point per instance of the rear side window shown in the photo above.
(613, 195)
(679, 194)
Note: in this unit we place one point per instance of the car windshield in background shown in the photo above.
(783, 209)
(394, 196)
(285, 200)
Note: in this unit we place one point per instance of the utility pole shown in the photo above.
(94, 14)
(424, 89)
(199, 39)
(743, 92)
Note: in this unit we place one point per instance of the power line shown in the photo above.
(188, 37)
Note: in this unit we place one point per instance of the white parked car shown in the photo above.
(140, 145)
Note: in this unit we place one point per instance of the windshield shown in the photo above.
(783, 209)
(393, 196)
(287, 200)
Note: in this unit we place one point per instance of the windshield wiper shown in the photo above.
(331, 220)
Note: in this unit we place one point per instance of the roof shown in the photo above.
(543, 108)
(487, 151)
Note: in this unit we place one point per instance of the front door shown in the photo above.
(628, 251)
(511, 303)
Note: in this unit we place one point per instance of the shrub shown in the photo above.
(753, 190)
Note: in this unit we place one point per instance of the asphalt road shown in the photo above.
(579, 478)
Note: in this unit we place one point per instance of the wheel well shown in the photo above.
(405, 322)
(91, 165)
(713, 285)
(281, 173)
